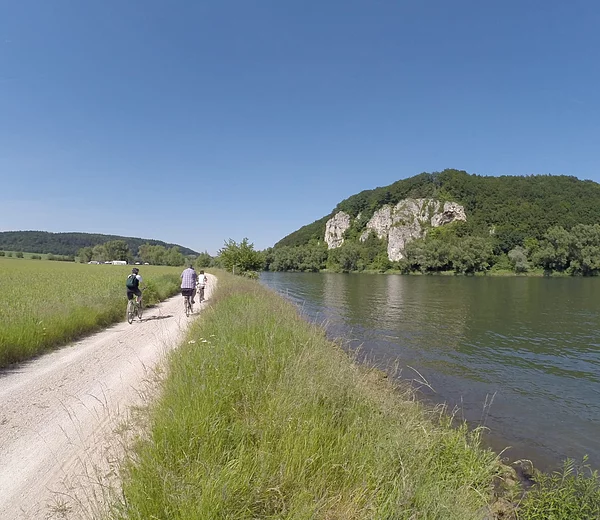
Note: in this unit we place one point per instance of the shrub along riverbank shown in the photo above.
(44, 304)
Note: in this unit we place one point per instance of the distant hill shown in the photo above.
(513, 208)
(71, 243)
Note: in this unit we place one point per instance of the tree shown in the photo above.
(240, 257)
(314, 257)
(471, 255)
(381, 262)
(437, 255)
(349, 256)
(158, 255)
(415, 256)
(371, 251)
(85, 254)
(174, 257)
(204, 260)
(117, 250)
(553, 254)
(585, 250)
(518, 260)
(145, 253)
(99, 253)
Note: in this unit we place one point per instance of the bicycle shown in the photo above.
(200, 293)
(187, 301)
(134, 308)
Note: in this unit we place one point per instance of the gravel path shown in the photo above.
(63, 416)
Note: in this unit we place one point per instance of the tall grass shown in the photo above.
(262, 417)
(570, 494)
(44, 303)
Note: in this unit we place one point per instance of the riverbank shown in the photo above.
(536, 273)
(262, 417)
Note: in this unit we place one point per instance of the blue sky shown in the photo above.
(251, 118)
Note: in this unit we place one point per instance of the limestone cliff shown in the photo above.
(399, 224)
(335, 229)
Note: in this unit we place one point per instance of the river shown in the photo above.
(518, 355)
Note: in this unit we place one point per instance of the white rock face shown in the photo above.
(452, 212)
(399, 237)
(399, 224)
(335, 229)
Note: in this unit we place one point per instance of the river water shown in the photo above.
(520, 356)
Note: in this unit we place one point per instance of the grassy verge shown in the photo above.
(570, 494)
(44, 304)
(262, 417)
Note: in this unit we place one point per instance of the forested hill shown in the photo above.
(513, 208)
(70, 243)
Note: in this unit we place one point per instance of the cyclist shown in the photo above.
(201, 285)
(188, 282)
(133, 285)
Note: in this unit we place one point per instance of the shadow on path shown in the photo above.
(150, 318)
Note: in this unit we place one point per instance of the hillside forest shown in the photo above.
(521, 224)
(69, 244)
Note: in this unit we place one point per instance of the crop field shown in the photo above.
(44, 303)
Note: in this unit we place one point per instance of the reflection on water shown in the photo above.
(531, 344)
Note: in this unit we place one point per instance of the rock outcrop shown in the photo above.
(335, 229)
(451, 212)
(399, 224)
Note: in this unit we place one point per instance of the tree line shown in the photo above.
(119, 250)
(444, 249)
(146, 253)
(451, 249)
(68, 244)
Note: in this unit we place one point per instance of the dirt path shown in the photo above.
(62, 415)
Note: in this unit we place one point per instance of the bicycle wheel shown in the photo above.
(130, 312)
(188, 305)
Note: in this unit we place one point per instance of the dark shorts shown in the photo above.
(131, 292)
(187, 292)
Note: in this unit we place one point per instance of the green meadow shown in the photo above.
(44, 303)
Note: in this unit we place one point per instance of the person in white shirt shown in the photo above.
(202, 279)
